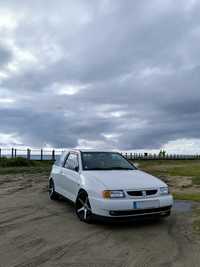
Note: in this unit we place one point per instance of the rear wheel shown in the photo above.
(52, 193)
(83, 208)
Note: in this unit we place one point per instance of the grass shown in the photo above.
(187, 196)
(196, 180)
(172, 167)
(15, 162)
(22, 165)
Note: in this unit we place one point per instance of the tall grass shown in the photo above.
(15, 162)
(173, 167)
(23, 165)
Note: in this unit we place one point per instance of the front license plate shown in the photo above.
(146, 204)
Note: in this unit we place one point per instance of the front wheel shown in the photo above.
(83, 208)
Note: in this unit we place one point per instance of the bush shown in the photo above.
(15, 162)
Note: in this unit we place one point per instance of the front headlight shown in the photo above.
(113, 194)
(164, 190)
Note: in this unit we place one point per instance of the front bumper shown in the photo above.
(121, 208)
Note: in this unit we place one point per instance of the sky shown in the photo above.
(100, 74)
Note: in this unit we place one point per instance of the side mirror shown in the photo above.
(76, 169)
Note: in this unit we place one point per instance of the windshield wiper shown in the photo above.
(108, 169)
(96, 169)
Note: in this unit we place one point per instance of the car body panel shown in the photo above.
(70, 183)
(94, 182)
(128, 179)
(102, 206)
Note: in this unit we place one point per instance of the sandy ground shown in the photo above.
(35, 231)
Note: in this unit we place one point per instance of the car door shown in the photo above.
(57, 172)
(71, 177)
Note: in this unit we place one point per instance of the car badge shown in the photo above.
(144, 193)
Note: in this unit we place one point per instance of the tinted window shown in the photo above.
(105, 161)
(72, 161)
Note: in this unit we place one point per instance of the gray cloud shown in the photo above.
(5, 55)
(134, 69)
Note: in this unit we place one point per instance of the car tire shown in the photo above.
(53, 195)
(83, 207)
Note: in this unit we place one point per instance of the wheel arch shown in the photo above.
(81, 190)
(51, 179)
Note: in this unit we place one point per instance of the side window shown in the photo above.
(71, 162)
(62, 159)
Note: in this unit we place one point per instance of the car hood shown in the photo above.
(131, 179)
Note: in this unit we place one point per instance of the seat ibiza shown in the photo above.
(103, 184)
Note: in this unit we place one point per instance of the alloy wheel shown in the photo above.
(83, 208)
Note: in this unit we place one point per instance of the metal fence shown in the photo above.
(145, 156)
(31, 154)
(53, 154)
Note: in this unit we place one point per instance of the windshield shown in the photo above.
(104, 161)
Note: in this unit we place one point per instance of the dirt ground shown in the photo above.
(181, 184)
(35, 231)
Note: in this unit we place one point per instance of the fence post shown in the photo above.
(0, 152)
(53, 155)
(28, 153)
(12, 152)
(41, 155)
(15, 153)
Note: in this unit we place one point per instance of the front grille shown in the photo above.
(140, 193)
(135, 193)
(151, 192)
(139, 212)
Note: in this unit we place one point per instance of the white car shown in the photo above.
(103, 184)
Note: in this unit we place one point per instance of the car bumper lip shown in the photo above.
(132, 218)
(124, 207)
(140, 212)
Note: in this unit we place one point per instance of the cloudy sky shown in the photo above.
(104, 73)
